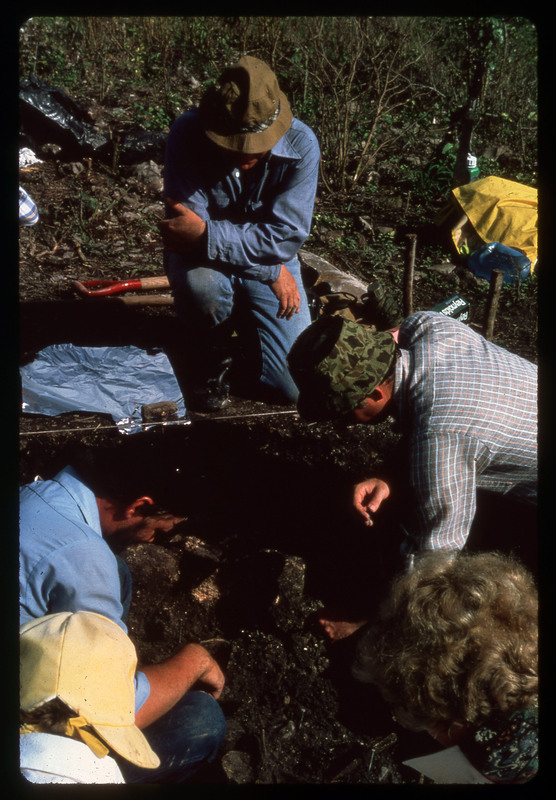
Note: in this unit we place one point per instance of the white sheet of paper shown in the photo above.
(447, 766)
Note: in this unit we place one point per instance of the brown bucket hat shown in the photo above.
(245, 111)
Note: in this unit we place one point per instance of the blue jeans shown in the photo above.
(205, 297)
(185, 738)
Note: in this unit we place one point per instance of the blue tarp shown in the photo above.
(105, 380)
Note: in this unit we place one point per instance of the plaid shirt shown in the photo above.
(28, 214)
(469, 411)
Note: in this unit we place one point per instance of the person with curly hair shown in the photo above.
(454, 652)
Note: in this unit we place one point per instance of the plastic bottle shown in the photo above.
(472, 168)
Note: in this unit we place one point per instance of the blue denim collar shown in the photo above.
(82, 496)
(284, 147)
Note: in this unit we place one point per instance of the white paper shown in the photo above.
(447, 766)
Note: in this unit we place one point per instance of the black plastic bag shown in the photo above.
(49, 116)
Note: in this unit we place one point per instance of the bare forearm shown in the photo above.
(172, 678)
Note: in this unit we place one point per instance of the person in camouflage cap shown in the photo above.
(336, 364)
(465, 463)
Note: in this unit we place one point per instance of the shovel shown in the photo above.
(105, 288)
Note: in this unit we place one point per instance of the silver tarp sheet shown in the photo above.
(105, 380)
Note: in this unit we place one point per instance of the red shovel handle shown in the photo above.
(107, 287)
(86, 289)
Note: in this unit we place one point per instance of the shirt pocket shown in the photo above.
(220, 199)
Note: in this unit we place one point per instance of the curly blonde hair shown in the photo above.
(456, 640)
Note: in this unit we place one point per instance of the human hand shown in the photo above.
(368, 496)
(150, 526)
(285, 289)
(183, 230)
(206, 668)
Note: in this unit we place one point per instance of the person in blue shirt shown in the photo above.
(66, 564)
(240, 180)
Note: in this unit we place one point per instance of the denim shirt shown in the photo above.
(64, 562)
(256, 219)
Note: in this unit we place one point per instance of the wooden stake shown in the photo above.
(408, 274)
(496, 280)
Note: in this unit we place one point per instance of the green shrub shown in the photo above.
(371, 87)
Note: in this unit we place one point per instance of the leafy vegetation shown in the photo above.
(367, 85)
(386, 97)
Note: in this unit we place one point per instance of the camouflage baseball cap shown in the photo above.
(336, 363)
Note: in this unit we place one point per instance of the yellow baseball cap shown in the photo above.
(89, 663)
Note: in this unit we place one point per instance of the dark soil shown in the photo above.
(269, 537)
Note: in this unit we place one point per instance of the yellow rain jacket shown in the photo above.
(497, 210)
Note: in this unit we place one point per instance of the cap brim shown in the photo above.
(256, 142)
(129, 742)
